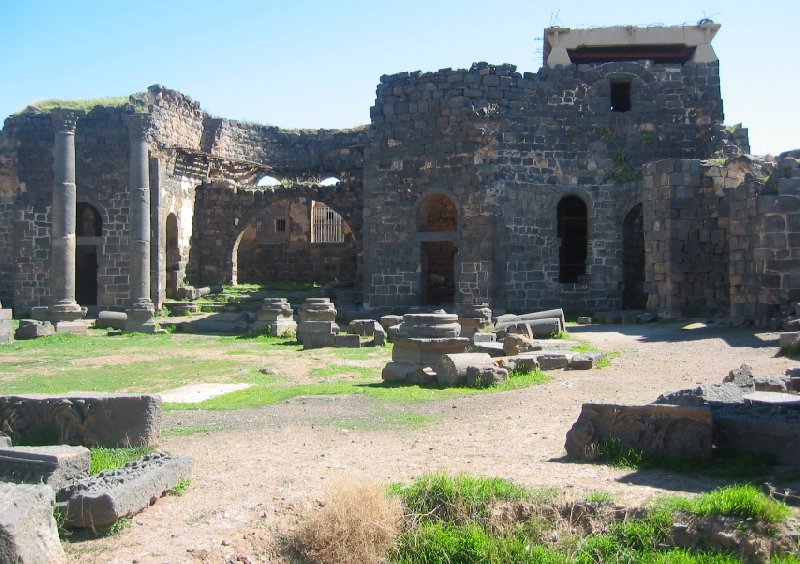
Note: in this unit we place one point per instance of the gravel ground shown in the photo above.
(258, 470)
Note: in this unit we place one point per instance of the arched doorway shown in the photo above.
(573, 229)
(633, 260)
(173, 262)
(88, 225)
(438, 214)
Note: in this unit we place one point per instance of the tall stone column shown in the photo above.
(141, 309)
(63, 308)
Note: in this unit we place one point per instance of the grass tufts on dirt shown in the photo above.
(104, 458)
(358, 523)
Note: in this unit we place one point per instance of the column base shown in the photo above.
(140, 318)
(65, 310)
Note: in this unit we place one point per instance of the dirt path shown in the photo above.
(253, 479)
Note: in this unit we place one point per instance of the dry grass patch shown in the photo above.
(357, 524)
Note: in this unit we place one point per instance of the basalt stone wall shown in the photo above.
(502, 146)
(686, 240)
(177, 120)
(223, 214)
(292, 154)
(765, 246)
(528, 258)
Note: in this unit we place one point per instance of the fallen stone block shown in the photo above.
(346, 340)
(742, 376)
(390, 320)
(5, 441)
(398, 372)
(705, 394)
(646, 318)
(28, 531)
(451, 369)
(111, 320)
(363, 327)
(122, 492)
(96, 419)
(378, 336)
(492, 349)
(771, 384)
(33, 329)
(425, 352)
(659, 431)
(788, 339)
(772, 398)
(481, 337)
(485, 376)
(515, 344)
(539, 328)
(553, 360)
(585, 361)
(760, 429)
(547, 314)
(584, 320)
(319, 340)
(524, 363)
(55, 466)
(74, 327)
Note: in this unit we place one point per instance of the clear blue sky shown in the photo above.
(303, 63)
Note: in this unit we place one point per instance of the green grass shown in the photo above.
(599, 498)
(106, 362)
(449, 519)
(104, 458)
(382, 421)
(741, 500)
(87, 104)
(180, 488)
(188, 430)
(457, 499)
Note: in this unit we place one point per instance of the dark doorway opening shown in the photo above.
(438, 275)
(86, 274)
(620, 95)
(573, 232)
(633, 259)
(88, 222)
(173, 263)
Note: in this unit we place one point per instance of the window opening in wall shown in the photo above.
(620, 95)
(268, 182)
(280, 226)
(573, 232)
(326, 224)
(330, 181)
(88, 221)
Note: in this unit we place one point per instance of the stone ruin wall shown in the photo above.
(222, 213)
(505, 147)
(102, 155)
(720, 240)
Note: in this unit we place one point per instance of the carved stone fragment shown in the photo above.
(658, 430)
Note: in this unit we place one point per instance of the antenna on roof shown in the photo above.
(555, 21)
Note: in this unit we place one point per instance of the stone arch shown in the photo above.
(633, 259)
(226, 218)
(572, 228)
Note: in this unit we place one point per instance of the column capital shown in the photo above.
(65, 119)
(138, 125)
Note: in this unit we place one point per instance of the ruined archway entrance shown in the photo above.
(573, 229)
(173, 262)
(88, 230)
(295, 240)
(633, 260)
(438, 219)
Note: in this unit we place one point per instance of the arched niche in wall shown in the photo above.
(268, 182)
(633, 259)
(437, 213)
(329, 181)
(88, 245)
(573, 231)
